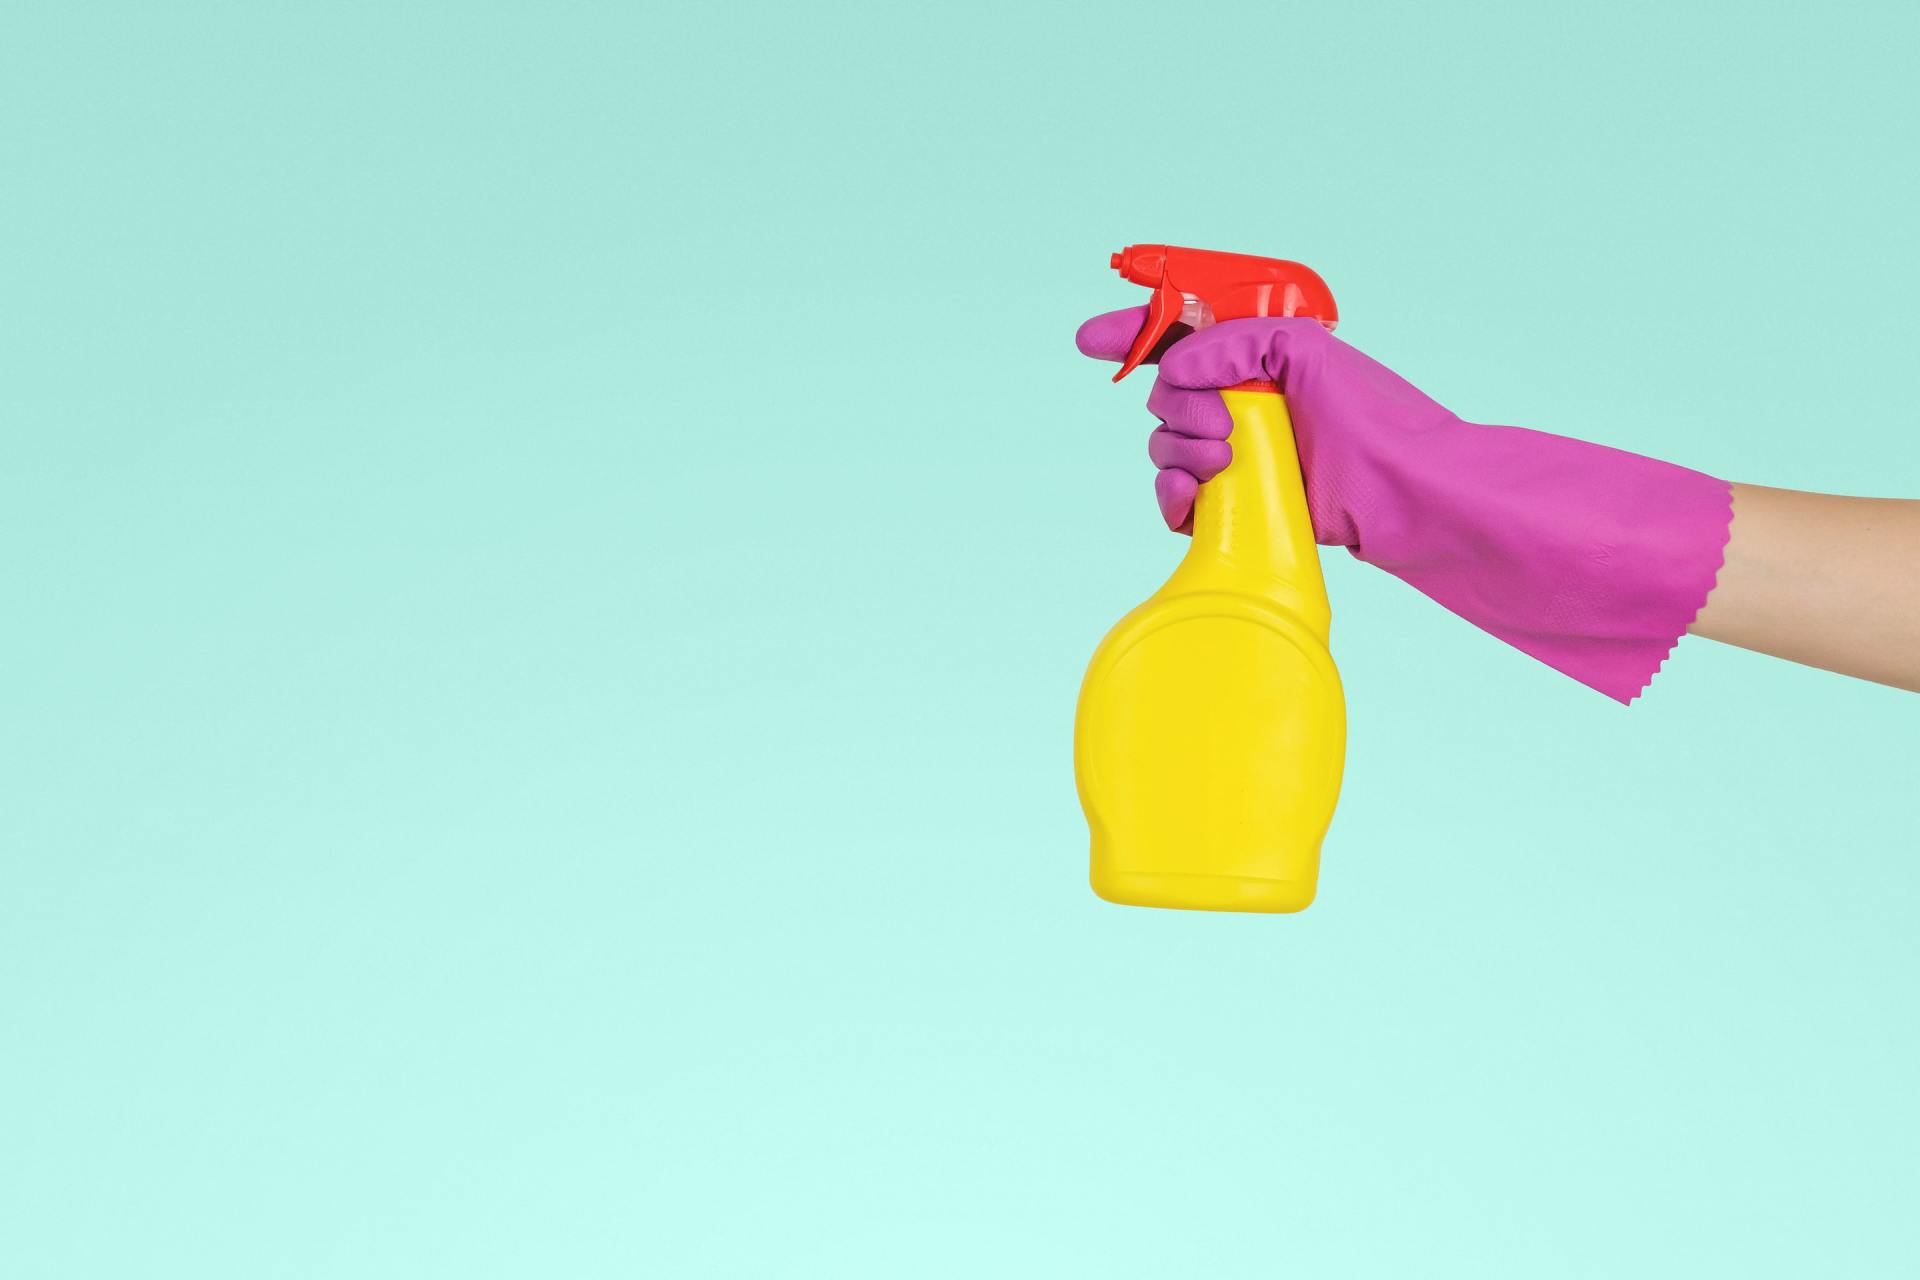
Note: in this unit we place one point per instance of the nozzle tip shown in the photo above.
(1114, 262)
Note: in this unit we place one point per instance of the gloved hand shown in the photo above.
(1590, 559)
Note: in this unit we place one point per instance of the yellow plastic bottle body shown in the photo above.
(1212, 729)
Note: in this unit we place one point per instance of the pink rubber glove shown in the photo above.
(1590, 559)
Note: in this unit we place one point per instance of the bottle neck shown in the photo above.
(1252, 532)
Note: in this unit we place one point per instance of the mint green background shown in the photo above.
(548, 554)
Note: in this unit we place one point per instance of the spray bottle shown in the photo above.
(1212, 729)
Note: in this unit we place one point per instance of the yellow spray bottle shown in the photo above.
(1212, 728)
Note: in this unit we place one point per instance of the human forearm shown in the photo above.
(1590, 559)
(1828, 581)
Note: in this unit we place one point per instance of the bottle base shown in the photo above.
(1203, 893)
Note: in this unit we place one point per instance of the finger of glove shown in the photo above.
(1202, 414)
(1174, 490)
(1236, 351)
(1202, 459)
(1108, 336)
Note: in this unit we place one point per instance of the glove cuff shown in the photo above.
(1593, 560)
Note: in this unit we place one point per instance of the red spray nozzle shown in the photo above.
(1201, 286)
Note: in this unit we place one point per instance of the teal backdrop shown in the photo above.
(548, 554)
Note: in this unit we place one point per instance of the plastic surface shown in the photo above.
(1212, 729)
(1204, 283)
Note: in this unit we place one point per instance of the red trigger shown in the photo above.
(1162, 313)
